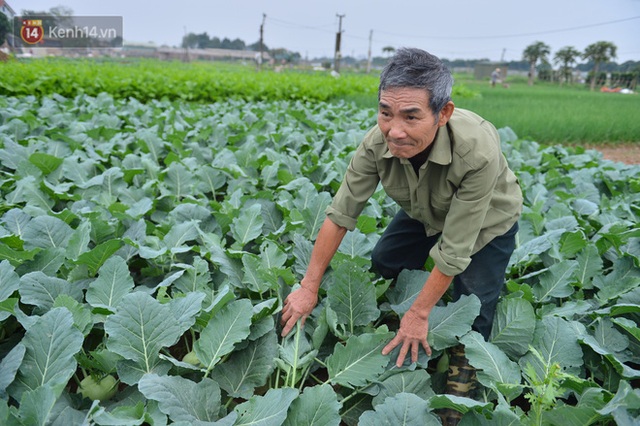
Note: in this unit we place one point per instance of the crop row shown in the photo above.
(149, 79)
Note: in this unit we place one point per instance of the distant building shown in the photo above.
(10, 14)
(150, 50)
(7, 10)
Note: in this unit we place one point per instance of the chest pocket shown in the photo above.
(440, 203)
(399, 194)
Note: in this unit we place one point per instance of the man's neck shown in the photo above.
(419, 159)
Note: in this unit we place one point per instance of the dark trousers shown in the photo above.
(404, 245)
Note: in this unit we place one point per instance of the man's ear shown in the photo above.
(446, 113)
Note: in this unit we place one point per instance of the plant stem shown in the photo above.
(351, 395)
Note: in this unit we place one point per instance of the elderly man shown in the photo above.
(459, 202)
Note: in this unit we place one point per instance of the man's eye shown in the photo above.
(411, 117)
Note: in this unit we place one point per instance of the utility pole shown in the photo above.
(369, 53)
(186, 45)
(260, 59)
(337, 55)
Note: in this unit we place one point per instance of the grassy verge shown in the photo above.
(553, 114)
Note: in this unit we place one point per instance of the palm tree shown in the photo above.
(599, 52)
(388, 50)
(532, 54)
(566, 57)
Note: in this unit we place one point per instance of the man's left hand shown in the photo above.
(412, 334)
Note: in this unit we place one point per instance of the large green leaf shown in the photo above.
(256, 277)
(317, 406)
(79, 240)
(196, 277)
(45, 162)
(45, 232)
(138, 331)
(409, 283)
(232, 268)
(556, 282)
(416, 382)
(179, 180)
(359, 361)
(37, 405)
(9, 283)
(610, 343)
(452, 321)
(535, 246)
(402, 409)
(182, 399)
(356, 244)
(112, 284)
(41, 290)
(268, 410)
(9, 367)
(556, 341)
(224, 330)
(248, 368)
(186, 309)
(495, 368)
(513, 326)
(51, 344)
(352, 296)
(96, 257)
(248, 225)
(179, 235)
(314, 215)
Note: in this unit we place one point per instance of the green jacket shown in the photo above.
(465, 190)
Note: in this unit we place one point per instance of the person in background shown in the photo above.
(495, 77)
(459, 204)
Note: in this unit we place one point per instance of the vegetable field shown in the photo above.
(146, 250)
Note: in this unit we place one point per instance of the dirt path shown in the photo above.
(627, 153)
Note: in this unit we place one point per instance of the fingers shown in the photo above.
(289, 318)
(407, 344)
(426, 347)
(403, 353)
(391, 345)
(414, 352)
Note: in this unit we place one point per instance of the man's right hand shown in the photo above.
(298, 305)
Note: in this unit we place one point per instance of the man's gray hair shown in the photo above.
(411, 67)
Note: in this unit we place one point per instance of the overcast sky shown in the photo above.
(455, 29)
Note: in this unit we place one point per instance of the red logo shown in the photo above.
(32, 31)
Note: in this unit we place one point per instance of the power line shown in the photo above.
(509, 35)
(288, 24)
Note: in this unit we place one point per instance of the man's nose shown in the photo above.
(396, 130)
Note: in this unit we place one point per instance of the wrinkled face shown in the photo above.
(406, 121)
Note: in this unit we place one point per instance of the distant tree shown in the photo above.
(533, 53)
(599, 52)
(388, 50)
(60, 16)
(190, 41)
(237, 44)
(566, 58)
(202, 40)
(256, 46)
(5, 28)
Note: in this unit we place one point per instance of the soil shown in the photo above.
(625, 153)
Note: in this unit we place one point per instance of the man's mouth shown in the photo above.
(398, 143)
